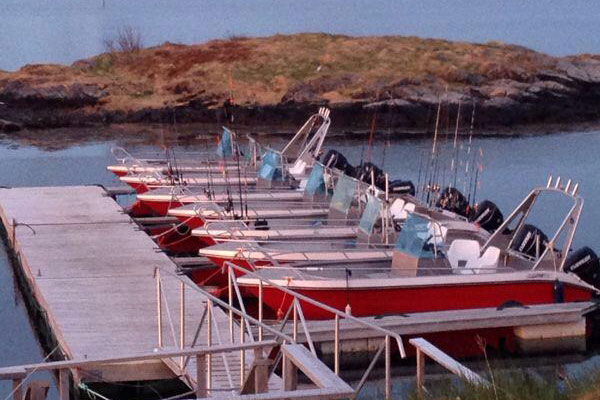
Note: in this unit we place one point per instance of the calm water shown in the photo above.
(511, 167)
(35, 31)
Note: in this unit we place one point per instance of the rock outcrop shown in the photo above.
(280, 79)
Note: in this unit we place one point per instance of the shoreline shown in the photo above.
(191, 133)
(393, 83)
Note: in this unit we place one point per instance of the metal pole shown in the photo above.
(336, 345)
(388, 364)
(158, 306)
(182, 319)
(260, 310)
(230, 294)
(242, 353)
(209, 343)
(295, 313)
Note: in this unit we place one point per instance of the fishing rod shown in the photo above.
(454, 166)
(479, 169)
(371, 134)
(239, 178)
(468, 152)
(387, 143)
(473, 175)
(419, 175)
(433, 150)
(442, 155)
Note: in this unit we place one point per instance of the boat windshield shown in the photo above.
(250, 150)
(224, 146)
(370, 215)
(271, 165)
(315, 183)
(415, 237)
(343, 194)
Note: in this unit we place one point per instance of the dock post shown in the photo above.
(230, 298)
(290, 375)
(209, 343)
(295, 319)
(14, 233)
(158, 306)
(63, 384)
(388, 366)
(242, 352)
(336, 346)
(420, 372)
(17, 392)
(261, 373)
(260, 310)
(201, 376)
(182, 320)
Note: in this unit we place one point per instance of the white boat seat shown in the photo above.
(437, 234)
(488, 261)
(298, 168)
(403, 213)
(460, 253)
(396, 208)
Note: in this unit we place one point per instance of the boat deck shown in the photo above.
(92, 271)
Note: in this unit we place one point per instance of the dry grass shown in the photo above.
(262, 70)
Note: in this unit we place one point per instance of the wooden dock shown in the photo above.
(93, 273)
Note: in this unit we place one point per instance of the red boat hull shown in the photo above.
(140, 209)
(119, 173)
(215, 276)
(191, 222)
(179, 244)
(218, 275)
(401, 300)
(160, 208)
(138, 187)
(241, 262)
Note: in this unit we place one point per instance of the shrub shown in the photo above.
(128, 40)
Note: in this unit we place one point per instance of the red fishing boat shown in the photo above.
(203, 163)
(517, 264)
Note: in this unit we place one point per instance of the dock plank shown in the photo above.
(92, 270)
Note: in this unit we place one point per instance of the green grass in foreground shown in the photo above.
(517, 385)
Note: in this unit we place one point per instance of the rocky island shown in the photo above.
(282, 77)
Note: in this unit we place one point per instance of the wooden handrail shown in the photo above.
(426, 348)
(10, 372)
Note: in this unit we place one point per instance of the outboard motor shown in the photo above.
(453, 200)
(261, 225)
(525, 241)
(399, 186)
(369, 169)
(585, 264)
(335, 159)
(488, 216)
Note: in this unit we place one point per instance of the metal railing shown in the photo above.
(240, 319)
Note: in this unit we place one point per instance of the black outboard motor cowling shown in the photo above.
(585, 264)
(261, 225)
(453, 200)
(525, 241)
(335, 159)
(399, 186)
(367, 171)
(488, 216)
